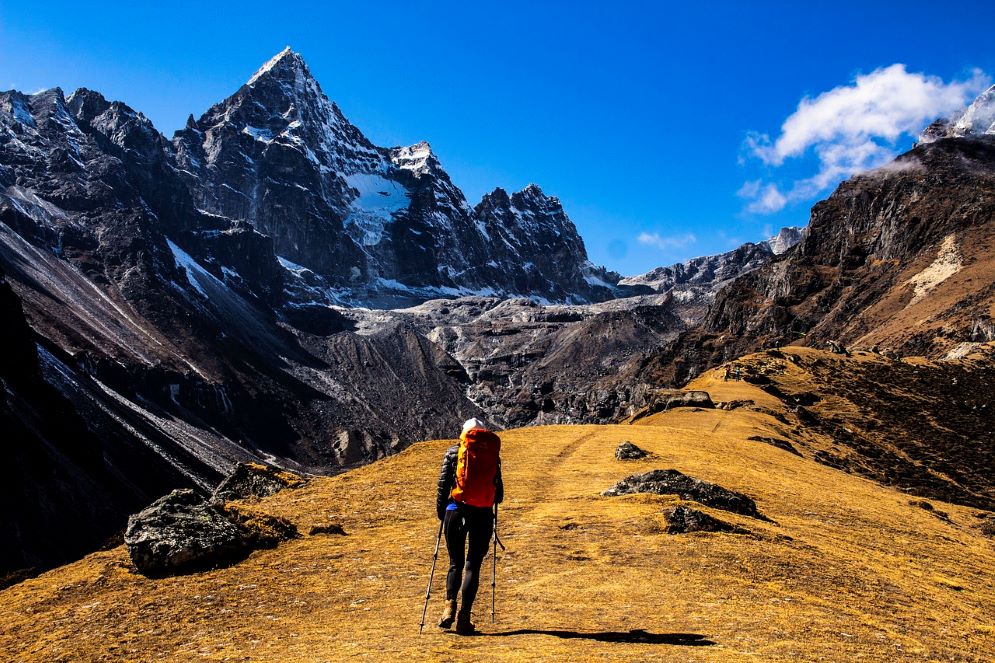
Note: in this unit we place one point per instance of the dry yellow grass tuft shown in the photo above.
(849, 569)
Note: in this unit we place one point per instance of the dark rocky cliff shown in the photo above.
(898, 259)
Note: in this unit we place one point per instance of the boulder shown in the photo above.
(628, 451)
(255, 480)
(183, 532)
(668, 399)
(672, 482)
(683, 519)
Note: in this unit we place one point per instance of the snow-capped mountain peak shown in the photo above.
(533, 189)
(978, 119)
(785, 239)
(417, 158)
(284, 62)
(367, 219)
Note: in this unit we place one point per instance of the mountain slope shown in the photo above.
(898, 258)
(845, 568)
(68, 486)
(921, 426)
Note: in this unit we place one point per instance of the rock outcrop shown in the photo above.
(183, 532)
(683, 519)
(672, 482)
(893, 260)
(628, 451)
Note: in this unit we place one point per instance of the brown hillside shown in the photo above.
(847, 569)
(925, 427)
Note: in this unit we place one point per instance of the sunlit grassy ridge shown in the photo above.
(849, 568)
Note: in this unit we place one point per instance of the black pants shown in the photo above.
(477, 524)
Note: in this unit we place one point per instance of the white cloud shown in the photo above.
(763, 199)
(665, 242)
(853, 128)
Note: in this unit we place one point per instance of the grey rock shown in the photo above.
(629, 451)
(668, 399)
(182, 532)
(683, 519)
(672, 482)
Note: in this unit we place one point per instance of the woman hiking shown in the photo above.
(469, 486)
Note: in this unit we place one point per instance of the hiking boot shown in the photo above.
(448, 614)
(463, 624)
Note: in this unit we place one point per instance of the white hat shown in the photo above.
(470, 424)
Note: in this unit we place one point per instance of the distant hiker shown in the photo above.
(728, 372)
(738, 376)
(469, 486)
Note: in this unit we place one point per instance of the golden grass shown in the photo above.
(849, 571)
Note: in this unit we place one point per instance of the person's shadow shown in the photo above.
(635, 636)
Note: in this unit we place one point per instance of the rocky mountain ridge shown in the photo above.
(897, 260)
(695, 282)
(371, 225)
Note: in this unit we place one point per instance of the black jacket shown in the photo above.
(447, 479)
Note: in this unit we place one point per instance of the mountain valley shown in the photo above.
(270, 286)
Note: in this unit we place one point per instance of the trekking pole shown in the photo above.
(494, 566)
(431, 575)
(497, 542)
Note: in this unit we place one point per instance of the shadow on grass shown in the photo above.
(636, 636)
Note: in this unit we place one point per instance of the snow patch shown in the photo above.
(196, 274)
(21, 113)
(946, 264)
(292, 267)
(373, 208)
(262, 135)
(597, 283)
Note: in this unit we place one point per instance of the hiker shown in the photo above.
(728, 372)
(469, 486)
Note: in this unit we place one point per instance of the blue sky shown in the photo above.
(659, 127)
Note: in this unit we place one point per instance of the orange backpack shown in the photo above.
(476, 467)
